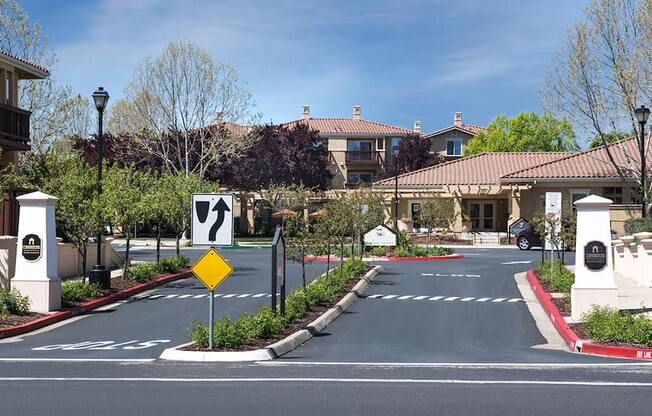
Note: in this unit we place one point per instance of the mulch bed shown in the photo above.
(439, 239)
(13, 320)
(298, 325)
(562, 304)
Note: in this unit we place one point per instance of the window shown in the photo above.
(353, 178)
(415, 214)
(396, 142)
(454, 147)
(577, 194)
(9, 85)
(358, 146)
(380, 143)
(615, 193)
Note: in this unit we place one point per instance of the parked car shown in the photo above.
(528, 238)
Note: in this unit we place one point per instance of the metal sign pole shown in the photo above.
(211, 318)
(283, 284)
(273, 292)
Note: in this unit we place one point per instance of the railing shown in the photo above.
(362, 157)
(14, 125)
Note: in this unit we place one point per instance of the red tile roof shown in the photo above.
(471, 129)
(24, 61)
(592, 163)
(481, 169)
(350, 126)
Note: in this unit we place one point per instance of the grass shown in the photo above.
(264, 324)
(603, 324)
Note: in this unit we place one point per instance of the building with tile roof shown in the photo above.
(493, 190)
(450, 141)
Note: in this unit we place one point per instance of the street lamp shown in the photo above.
(100, 274)
(642, 114)
(395, 154)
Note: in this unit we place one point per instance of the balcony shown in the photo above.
(14, 127)
(362, 157)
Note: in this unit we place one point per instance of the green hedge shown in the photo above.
(229, 333)
(638, 225)
(604, 324)
(78, 290)
(142, 272)
(418, 251)
(560, 278)
(12, 302)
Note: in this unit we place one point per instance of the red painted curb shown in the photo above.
(385, 258)
(571, 338)
(551, 310)
(90, 305)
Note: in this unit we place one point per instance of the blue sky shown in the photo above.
(400, 60)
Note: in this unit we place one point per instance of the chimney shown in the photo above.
(306, 112)
(357, 114)
(219, 118)
(457, 119)
(417, 126)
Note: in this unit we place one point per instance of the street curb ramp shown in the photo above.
(55, 317)
(573, 342)
(283, 346)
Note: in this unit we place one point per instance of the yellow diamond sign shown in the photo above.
(211, 269)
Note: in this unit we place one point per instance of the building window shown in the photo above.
(380, 143)
(454, 147)
(576, 195)
(396, 142)
(354, 178)
(9, 85)
(415, 214)
(615, 193)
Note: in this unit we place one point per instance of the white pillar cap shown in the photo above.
(37, 198)
(593, 200)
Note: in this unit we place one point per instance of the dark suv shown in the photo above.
(528, 238)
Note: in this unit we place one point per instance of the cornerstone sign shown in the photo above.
(595, 255)
(31, 247)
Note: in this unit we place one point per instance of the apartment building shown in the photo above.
(450, 141)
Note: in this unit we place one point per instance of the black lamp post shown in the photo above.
(395, 154)
(100, 274)
(642, 114)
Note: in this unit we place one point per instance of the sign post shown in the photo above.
(278, 269)
(212, 225)
(553, 210)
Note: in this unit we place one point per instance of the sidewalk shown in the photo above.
(631, 295)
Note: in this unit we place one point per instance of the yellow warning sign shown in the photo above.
(211, 269)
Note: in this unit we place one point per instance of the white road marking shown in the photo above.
(442, 275)
(200, 296)
(170, 296)
(390, 296)
(518, 262)
(516, 300)
(435, 298)
(216, 295)
(466, 299)
(240, 380)
(427, 274)
(404, 297)
(451, 298)
(472, 275)
(374, 296)
(449, 275)
(184, 296)
(419, 297)
(229, 296)
(483, 299)
(156, 296)
(499, 299)
(445, 298)
(647, 365)
(84, 360)
(259, 295)
(244, 295)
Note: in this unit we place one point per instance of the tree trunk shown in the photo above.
(125, 267)
(83, 252)
(428, 240)
(158, 243)
(178, 237)
(328, 257)
(303, 265)
(341, 253)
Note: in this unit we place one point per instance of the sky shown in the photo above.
(399, 60)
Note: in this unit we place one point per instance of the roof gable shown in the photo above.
(469, 129)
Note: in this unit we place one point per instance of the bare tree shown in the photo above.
(54, 109)
(601, 75)
(176, 105)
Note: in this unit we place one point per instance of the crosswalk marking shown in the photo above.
(258, 295)
(244, 295)
(446, 298)
(184, 296)
(200, 296)
(449, 275)
(204, 295)
(230, 296)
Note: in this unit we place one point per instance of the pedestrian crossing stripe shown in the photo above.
(450, 275)
(203, 296)
(446, 298)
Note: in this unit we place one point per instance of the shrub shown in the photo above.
(12, 302)
(143, 271)
(78, 290)
(173, 264)
(604, 324)
(378, 251)
(560, 278)
(418, 251)
(638, 225)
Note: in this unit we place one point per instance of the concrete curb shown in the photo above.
(90, 305)
(385, 258)
(283, 346)
(571, 338)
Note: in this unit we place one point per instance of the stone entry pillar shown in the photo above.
(36, 258)
(594, 275)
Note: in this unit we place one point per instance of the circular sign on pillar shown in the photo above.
(31, 247)
(595, 255)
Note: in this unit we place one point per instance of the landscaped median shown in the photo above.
(79, 297)
(412, 253)
(266, 335)
(612, 333)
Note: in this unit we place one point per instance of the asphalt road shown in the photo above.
(467, 310)
(146, 324)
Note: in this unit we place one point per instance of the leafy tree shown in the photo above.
(526, 132)
(155, 201)
(367, 210)
(599, 140)
(414, 152)
(117, 151)
(279, 155)
(299, 240)
(283, 198)
(437, 213)
(122, 199)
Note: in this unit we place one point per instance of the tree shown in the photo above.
(55, 112)
(117, 152)
(122, 199)
(601, 74)
(526, 132)
(599, 140)
(279, 155)
(437, 213)
(283, 198)
(367, 210)
(155, 202)
(300, 238)
(413, 153)
(174, 102)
